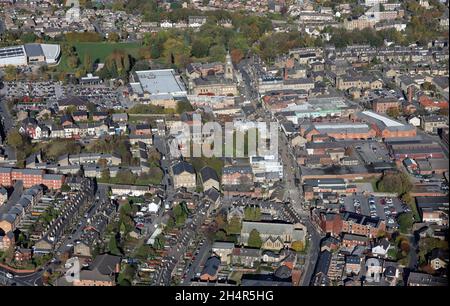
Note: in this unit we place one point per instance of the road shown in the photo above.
(195, 265)
(164, 274)
(30, 279)
(294, 199)
(6, 121)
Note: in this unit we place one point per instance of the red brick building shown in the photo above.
(383, 105)
(351, 223)
(30, 177)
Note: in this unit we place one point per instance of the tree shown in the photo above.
(348, 151)
(102, 162)
(14, 138)
(217, 53)
(393, 112)
(252, 213)
(179, 214)
(65, 188)
(159, 242)
(176, 52)
(405, 222)
(87, 62)
(10, 73)
(200, 48)
(72, 61)
(234, 226)
(236, 55)
(297, 246)
(112, 246)
(183, 106)
(254, 239)
(113, 36)
(122, 229)
(394, 182)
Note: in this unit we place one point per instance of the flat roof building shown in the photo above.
(156, 83)
(23, 55)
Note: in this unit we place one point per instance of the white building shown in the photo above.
(23, 55)
(15, 56)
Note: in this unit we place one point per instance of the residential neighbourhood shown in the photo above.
(224, 143)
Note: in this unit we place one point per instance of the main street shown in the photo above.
(294, 199)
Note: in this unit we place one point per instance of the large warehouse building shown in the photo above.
(30, 54)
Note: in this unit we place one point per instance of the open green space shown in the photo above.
(99, 51)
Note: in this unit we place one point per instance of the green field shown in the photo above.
(99, 51)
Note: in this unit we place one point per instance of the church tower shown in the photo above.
(229, 72)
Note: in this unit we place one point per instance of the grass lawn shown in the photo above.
(99, 51)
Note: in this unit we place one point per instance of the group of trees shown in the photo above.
(115, 144)
(397, 182)
(211, 42)
(117, 65)
(21, 143)
(126, 177)
(252, 213)
(180, 213)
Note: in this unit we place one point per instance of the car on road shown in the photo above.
(9, 275)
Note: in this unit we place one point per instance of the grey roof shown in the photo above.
(33, 50)
(208, 173)
(52, 176)
(432, 202)
(105, 264)
(271, 228)
(264, 280)
(247, 252)
(323, 264)
(426, 279)
(212, 194)
(223, 245)
(158, 82)
(282, 272)
(181, 167)
(211, 266)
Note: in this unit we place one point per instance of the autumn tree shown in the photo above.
(10, 73)
(176, 52)
(72, 61)
(236, 55)
(88, 63)
(297, 246)
(14, 138)
(234, 226)
(393, 112)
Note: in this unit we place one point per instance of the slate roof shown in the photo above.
(181, 167)
(211, 266)
(208, 173)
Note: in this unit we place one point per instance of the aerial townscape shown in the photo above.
(102, 102)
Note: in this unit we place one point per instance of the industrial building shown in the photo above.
(28, 54)
(156, 84)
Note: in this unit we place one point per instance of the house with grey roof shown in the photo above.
(274, 235)
(209, 178)
(184, 175)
